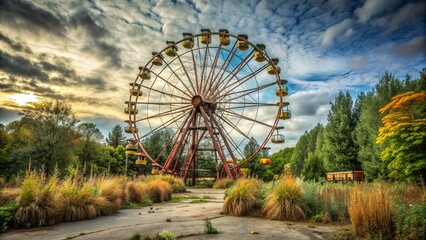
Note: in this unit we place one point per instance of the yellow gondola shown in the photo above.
(276, 70)
(145, 74)
(224, 39)
(189, 41)
(131, 129)
(284, 81)
(278, 138)
(155, 169)
(258, 55)
(283, 90)
(157, 59)
(285, 114)
(135, 92)
(131, 110)
(205, 36)
(242, 45)
(140, 161)
(171, 49)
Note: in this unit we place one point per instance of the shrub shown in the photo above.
(411, 221)
(36, 201)
(77, 202)
(166, 235)
(242, 197)
(6, 216)
(111, 194)
(208, 227)
(284, 201)
(159, 190)
(370, 211)
(177, 184)
(223, 183)
(136, 191)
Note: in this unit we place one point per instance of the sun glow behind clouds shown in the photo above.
(23, 98)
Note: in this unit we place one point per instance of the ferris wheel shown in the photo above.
(212, 93)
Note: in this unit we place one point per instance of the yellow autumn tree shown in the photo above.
(404, 135)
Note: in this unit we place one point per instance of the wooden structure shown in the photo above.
(349, 176)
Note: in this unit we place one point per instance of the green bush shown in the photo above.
(411, 221)
(166, 235)
(6, 216)
(208, 227)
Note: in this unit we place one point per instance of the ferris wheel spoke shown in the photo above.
(164, 125)
(166, 113)
(239, 82)
(203, 68)
(225, 81)
(247, 91)
(163, 103)
(166, 93)
(212, 70)
(195, 71)
(187, 75)
(225, 120)
(223, 68)
(170, 84)
(248, 104)
(246, 118)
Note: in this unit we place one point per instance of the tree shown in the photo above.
(89, 148)
(340, 151)
(313, 169)
(256, 169)
(50, 123)
(299, 154)
(404, 129)
(116, 136)
(279, 159)
(159, 145)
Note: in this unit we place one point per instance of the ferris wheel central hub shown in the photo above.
(197, 100)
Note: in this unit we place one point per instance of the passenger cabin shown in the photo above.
(132, 110)
(285, 114)
(223, 37)
(136, 92)
(274, 69)
(140, 161)
(278, 138)
(205, 36)
(145, 74)
(349, 176)
(242, 45)
(131, 129)
(171, 49)
(258, 55)
(131, 149)
(283, 91)
(188, 41)
(265, 161)
(157, 59)
(155, 169)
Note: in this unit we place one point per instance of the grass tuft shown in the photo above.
(111, 194)
(159, 190)
(223, 183)
(242, 197)
(284, 201)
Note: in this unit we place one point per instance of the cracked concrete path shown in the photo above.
(187, 222)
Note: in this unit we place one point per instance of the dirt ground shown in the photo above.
(184, 219)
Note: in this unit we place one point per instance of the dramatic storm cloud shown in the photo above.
(87, 52)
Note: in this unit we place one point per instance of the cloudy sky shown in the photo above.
(86, 52)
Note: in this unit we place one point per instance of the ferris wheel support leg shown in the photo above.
(177, 146)
(216, 145)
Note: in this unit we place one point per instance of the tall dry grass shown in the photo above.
(223, 183)
(77, 201)
(370, 211)
(111, 194)
(177, 184)
(36, 201)
(159, 190)
(242, 198)
(284, 202)
(136, 191)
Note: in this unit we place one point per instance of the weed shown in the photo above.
(198, 201)
(6, 216)
(223, 183)
(411, 221)
(208, 227)
(111, 194)
(159, 190)
(166, 235)
(370, 211)
(284, 201)
(241, 198)
(136, 191)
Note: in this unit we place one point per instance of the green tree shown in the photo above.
(340, 150)
(279, 159)
(116, 136)
(404, 129)
(89, 148)
(299, 154)
(255, 168)
(313, 169)
(51, 124)
(369, 123)
(159, 145)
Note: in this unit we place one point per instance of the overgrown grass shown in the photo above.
(177, 184)
(284, 202)
(370, 211)
(136, 191)
(159, 190)
(242, 197)
(111, 194)
(223, 183)
(36, 201)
